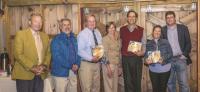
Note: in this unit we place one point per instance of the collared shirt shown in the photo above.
(86, 43)
(173, 40)
(112, 49)
(38, 43)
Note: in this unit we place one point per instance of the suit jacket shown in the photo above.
(25, 54)
(184, 40)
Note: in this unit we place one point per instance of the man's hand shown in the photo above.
(34, 69)
(139, 53)
(95, 59)
(38, 69)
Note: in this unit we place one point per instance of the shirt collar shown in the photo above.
(91, 30)
(132, 29)
(34, 33)
(65, 35)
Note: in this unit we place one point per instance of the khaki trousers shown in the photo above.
(65, 84)
(89, 74)
(110, 84)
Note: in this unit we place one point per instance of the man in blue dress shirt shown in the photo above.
(89, 72)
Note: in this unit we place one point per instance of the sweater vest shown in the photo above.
(127, 36)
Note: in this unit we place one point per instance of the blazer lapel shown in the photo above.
(179, 33)
(165, 33)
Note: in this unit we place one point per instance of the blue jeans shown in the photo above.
(179, 71)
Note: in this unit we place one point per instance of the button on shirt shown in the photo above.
(86, 43)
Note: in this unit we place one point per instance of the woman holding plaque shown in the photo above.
(157, 56)
(111, 45)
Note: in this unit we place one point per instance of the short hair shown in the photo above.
(35, 14)
(62, 20)
(65, 19)
(170, 13)
(136, 14)
(108, 26)
(90, 15)
(156, 26)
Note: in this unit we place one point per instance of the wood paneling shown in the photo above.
(17, 18)
(148, 20)
(198, 46)
(39, 2)
(33, 2)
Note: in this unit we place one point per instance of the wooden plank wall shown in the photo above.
(18, 19)
(189, 18)
(1, 34)
(19, 16)
(198, 70)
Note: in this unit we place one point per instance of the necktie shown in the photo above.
(95, 38)
(39, 47)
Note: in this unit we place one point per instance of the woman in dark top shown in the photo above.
(159, 70)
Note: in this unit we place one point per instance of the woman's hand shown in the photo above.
(120, 71)
(160, 60)
(109, 71)
(148, 61)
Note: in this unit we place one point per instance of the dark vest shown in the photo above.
(127, 36)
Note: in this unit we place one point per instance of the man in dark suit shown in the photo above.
(179, 39)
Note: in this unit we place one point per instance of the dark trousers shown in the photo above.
(35, 85)
(132, 70)
(159, 81)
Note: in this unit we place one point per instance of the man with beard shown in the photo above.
(65, 59)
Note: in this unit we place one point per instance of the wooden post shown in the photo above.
(198, 23)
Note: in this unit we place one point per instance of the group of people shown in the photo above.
(71, 57)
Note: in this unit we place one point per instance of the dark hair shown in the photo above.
(170, 13)
(136, 15)
(157, 26)
(108, 26)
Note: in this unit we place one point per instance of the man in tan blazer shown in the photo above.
(32, 57)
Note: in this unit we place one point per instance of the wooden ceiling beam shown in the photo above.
(144, 2)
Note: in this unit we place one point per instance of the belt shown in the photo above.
(89, 61)
(177, 56)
